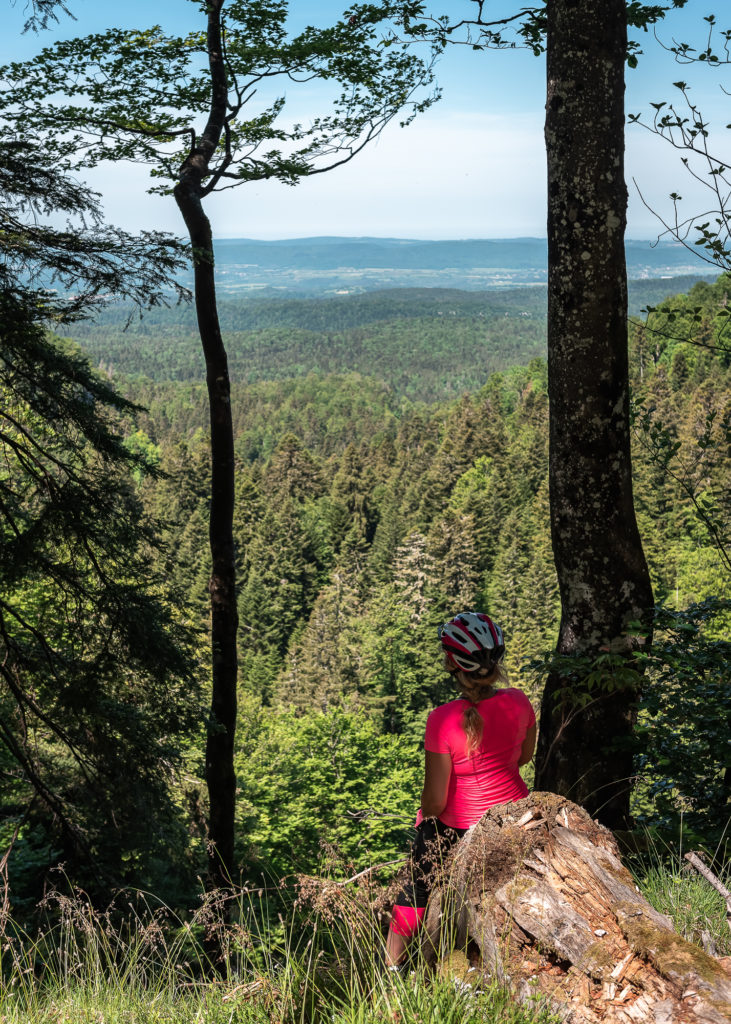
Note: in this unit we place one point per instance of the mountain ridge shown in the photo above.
(321, 265)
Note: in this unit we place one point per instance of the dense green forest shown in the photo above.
(428, 343)
(363, 518)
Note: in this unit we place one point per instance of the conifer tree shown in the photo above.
(323, 668)
(388, 535)
(277, 584)
(178, 501)
(351, 513)
(292, 471)
(401, 662)
(453, 543)
(96, 667)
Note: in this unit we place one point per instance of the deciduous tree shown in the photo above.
(603, 578)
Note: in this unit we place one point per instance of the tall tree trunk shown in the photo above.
(189, 192)
(603, 578)
(220, 777)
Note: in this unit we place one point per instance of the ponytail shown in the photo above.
(475, 688)
(472, 725)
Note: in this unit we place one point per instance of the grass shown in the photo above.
(152, 968)
(698, 912)
(147, 966)
(408, 1001)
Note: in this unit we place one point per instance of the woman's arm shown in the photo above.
(529, 745)
(437, 769)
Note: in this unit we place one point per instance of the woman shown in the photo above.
(474, 748)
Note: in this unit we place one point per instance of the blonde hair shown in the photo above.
(474, 688)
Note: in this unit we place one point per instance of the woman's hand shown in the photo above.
(437, 769)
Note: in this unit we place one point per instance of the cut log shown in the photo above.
(540, 890)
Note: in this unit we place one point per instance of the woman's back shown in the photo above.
(489, 776)
(474, 747)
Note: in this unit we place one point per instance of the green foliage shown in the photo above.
(76, 94)
(681, 434)
(383, 516)
(682, 747)
(362, 521)
(97, 667)
(330, 778)
(421, 359)
(59, 273)
(184, 106)
(666, 880)
(400, 657)
(684, 727)
(275, 594)
(333, 314)
(325, 413)
(527, 28)
(430, 344)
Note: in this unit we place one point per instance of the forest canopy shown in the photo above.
(370, 501)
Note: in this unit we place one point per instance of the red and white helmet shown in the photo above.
(472, 641)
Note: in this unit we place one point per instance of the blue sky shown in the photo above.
(471, 167)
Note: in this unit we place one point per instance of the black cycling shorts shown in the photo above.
(433, 842)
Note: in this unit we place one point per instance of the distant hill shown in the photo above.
(331, 265)
(400, 253)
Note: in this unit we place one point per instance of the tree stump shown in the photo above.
(540, 889)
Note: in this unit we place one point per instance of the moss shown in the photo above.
(620, 873)
(456, 965)
(595, 960)
(670, 953)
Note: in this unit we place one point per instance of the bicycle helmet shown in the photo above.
(472, 642)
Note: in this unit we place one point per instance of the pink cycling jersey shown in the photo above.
(490, 776)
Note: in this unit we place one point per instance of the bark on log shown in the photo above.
(540, 889)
